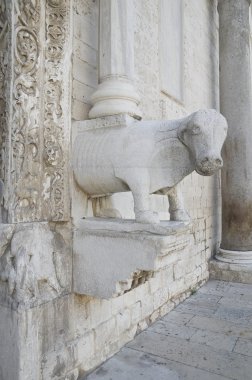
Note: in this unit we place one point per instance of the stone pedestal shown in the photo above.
(116, 93)
(109, 255)
(236, 106)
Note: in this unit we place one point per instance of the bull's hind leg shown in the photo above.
(176, 206)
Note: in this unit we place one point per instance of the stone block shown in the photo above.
(160, 297)
(123, 321)
(105, 334)
(230, 272)
(136, 313)
(107, 252)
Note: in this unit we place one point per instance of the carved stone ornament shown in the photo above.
(149, 157)
(34, 263)
(55, 191)
(4, 91)
(38, 172)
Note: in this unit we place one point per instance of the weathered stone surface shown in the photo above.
(116, 92)
(243, 346)
(227, 271)
(138, 365)
(236, 105)
(35, 264)
(148, 157)
(189, 345)
(52, 335)
(109, 253)
(35, 128)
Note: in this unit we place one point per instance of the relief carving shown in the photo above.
(33, 263)
(55, 154)
(38, 188)
(24, 203)
(4, 89)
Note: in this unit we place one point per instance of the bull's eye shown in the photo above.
(195, 130)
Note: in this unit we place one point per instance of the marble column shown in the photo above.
(116, 93)
(236, 106)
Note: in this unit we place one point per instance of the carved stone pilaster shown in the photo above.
(5, 58)
(25, 140)
(37, 129)
(56, 122)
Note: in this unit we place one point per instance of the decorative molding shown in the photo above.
(24, 187)
(4, 94)
(39, 118)
(55, 192)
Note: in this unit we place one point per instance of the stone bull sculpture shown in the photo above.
(150, 157)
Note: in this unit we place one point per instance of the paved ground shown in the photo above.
(207, 337)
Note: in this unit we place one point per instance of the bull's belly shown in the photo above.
(96, 182)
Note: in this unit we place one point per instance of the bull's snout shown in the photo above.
(208, 165)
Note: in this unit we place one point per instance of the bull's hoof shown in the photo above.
(149, 217)
(179, 215)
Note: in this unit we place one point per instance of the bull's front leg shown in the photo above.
(139, 183)
(176, 206)
(142, 207)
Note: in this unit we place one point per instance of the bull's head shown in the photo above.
(204, 135)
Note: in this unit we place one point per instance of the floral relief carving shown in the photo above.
(24, 202)
(55, 160)
(4, 90)
(26, 49)
(38, 163)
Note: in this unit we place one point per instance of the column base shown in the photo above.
(224, 271)
(234, 257)
(115, 96)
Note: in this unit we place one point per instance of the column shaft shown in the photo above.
(116, 93)
(236, 106)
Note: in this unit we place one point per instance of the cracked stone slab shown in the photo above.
(131, 364)
(231, 365)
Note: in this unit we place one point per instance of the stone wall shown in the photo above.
(85, 45)
(49, 332)
(202, 194)
(105, 325)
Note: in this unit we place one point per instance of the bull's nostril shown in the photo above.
(218, 162)
(205, 160)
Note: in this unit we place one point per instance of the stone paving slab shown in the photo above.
(244, 346)
(129, 364)
(207, 337)
(231, 365)
(221, 326)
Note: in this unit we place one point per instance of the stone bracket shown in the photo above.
(108, 254)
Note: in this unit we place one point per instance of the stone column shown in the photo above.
(116, 93)
(236, 106)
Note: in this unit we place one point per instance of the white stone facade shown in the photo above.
(50, 329)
